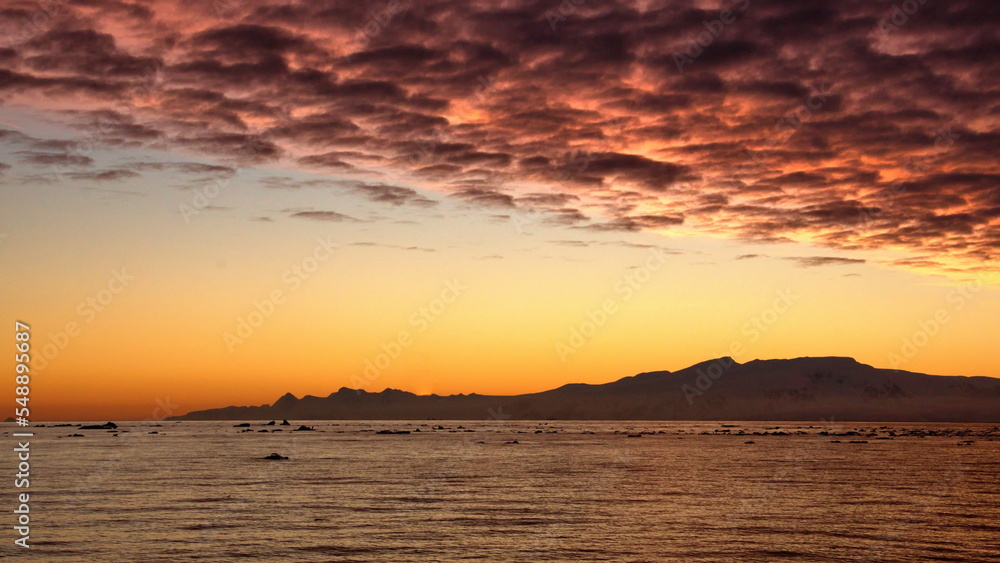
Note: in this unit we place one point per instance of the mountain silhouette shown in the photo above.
(722, 389)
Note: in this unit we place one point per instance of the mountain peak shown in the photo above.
(286, 400)
(725, 362)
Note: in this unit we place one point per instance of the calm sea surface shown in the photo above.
(566, 491)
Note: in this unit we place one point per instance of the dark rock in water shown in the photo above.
(272, 423)
(153, 432)
(264, 431)
(512, 442)
(635, 435)
(276, 430)
(276, 457)
(285, 423)
(105, 426)
(76, 436)
(749, 442)
(393, 432)
(242, 425)
(304, 428)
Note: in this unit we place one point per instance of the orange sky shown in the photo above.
(219, 204)
(499, 325)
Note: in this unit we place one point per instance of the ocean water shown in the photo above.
(566, 491)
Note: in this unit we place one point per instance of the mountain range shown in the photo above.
(812, 388)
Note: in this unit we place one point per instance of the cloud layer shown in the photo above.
(854, 125)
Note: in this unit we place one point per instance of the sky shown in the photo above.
(216, 203)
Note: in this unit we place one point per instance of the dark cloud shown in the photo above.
(381, 193)
(327, 160)
(55, 160)
(189, 168)
(84, 51)
(286, 183)
(323, 129)
(393, 195)
(395, 246)
(484, 196)
(799, 122)
(239, 146)
(651, 174)
(103, 175)
(245, 40)
(564, 216)
(813, 261)
(324, 216)
(547, 200)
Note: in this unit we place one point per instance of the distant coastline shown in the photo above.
(800, 389)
